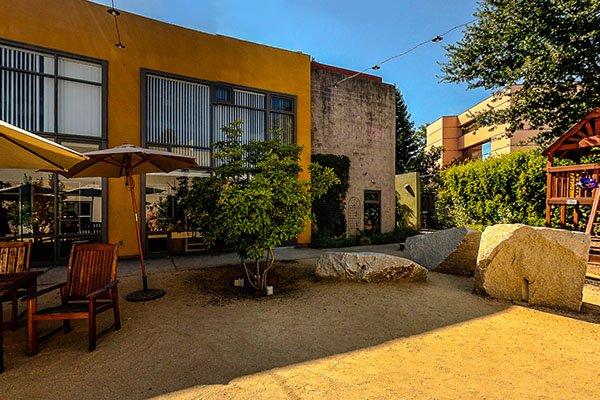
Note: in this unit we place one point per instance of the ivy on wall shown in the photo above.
(328, 210)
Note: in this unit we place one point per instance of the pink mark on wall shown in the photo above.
(377, 133)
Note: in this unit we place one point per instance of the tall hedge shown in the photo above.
(328, 210)
(506, 189)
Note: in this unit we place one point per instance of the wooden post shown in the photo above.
(32, 333)
(592, 219)
(548, 192)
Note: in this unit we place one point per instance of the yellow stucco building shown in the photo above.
(460, 137)
(63, 76)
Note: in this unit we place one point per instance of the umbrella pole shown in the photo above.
(145, 294)
(137, 231)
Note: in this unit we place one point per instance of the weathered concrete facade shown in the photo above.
(357, 119)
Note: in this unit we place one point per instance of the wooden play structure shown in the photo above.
(574, 185)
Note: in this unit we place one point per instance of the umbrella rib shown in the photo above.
(78, 168)
(33, 152)
(143, 160)
(110, 160)
(152, 162)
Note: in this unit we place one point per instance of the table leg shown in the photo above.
(32, 333)
(1, 339)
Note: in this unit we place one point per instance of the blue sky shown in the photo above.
(351, 34)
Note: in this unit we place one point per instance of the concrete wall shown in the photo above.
(86, 29)
(357, 119)
(408, 188)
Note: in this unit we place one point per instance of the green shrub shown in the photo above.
(506, 189)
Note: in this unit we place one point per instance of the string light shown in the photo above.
(375, 67)
(115, 13)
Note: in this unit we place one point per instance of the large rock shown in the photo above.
(541, 266)
(451, 251)
(369, 267)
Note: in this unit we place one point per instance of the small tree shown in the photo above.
(409, 143)
(255, 201)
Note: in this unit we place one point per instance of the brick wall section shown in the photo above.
(357, 119)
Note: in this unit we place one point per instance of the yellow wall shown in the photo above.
(85, 28)
(408, 188)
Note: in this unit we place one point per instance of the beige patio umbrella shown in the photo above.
(125, 161)
(22, 149)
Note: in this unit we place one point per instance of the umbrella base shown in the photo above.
(145, 295)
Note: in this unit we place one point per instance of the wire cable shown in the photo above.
(436, 39)
(115, 13)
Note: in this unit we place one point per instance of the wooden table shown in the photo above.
(8, 284)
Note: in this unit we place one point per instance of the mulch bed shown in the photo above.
(286, 277)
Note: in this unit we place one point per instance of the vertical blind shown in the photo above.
(247, 107)
(35, 87)
(181, 117)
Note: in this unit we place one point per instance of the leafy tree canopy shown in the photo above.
(549, 47)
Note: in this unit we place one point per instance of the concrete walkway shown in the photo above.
(181, 263)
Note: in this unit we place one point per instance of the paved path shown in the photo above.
(181, 263)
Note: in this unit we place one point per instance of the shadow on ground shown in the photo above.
(185, 340)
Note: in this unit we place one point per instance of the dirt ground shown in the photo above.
(316, 340)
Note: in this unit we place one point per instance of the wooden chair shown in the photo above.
(14, 257)
(90, 289)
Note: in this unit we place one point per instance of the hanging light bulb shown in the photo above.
(437, 39)
(375, 67)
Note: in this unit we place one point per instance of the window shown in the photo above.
(282, 104)
(61, 97)
(372, 212)
(181, 117)
(51, 211)
(187, 116)
(223, 94)
(47, 93)
(281, 117)
(248, 107)
(178, 117)
(486, 150)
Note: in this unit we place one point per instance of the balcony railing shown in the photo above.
(562, 184)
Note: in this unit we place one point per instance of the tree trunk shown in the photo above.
(258, 278)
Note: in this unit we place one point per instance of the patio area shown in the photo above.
(316, 340)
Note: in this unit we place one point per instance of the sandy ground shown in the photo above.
(318, 341)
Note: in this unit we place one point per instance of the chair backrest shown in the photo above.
(92, 266)
(14, 257)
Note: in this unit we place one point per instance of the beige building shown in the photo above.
(460, 137)
(357, 118)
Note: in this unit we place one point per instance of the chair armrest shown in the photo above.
(105, 289)
(45, 290)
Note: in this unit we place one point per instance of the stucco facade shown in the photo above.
(461, 138)
(85, 29)
(357, 119)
